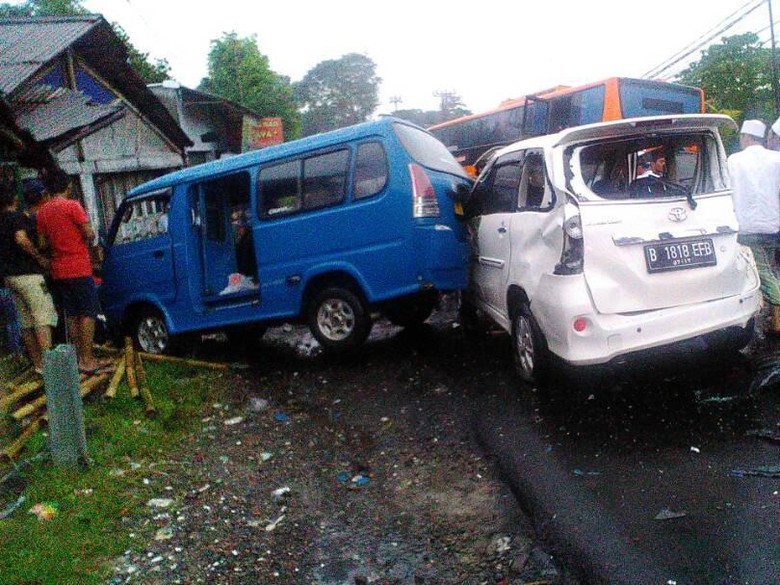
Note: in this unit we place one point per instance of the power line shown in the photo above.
(740, 14)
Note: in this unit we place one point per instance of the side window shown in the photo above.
(143, 219)
(325, 179)
(279, 189)
(370, 170)
(497, 188)
(535, 192)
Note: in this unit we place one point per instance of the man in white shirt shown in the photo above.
(755, 179)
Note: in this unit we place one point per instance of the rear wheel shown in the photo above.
(150, 332)
(528, 347)
(338, 319)
(411, 312)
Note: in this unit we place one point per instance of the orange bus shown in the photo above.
(551, 110)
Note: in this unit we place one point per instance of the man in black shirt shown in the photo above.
(23, 267)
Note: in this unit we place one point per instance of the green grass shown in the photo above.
(86, 534)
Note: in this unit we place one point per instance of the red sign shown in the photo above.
(261, 132)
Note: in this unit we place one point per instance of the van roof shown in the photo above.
(279, 151)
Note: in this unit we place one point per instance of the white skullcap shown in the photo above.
(754, 127)
(776, 127)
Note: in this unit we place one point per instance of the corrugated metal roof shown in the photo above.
(49, 113)
(27, 44)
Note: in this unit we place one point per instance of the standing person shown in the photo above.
(24, 268)
(64, 224)
(755, 179)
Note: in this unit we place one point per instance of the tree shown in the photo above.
(238, 71)
(150, 72)
(736, 77)
(338, 93)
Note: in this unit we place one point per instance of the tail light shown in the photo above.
(572, 254)
(424, 202)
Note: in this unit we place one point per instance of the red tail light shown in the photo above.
(424, 202)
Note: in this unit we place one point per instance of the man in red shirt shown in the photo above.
(64, 224)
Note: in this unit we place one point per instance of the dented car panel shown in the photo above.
(630, 244)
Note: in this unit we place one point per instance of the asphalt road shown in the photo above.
(646, 475)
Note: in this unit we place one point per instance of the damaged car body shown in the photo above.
(606, 240)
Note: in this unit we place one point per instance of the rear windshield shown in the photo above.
(427, 150)
(648, 167)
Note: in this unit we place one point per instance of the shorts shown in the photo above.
(77, 296)
(33, 301)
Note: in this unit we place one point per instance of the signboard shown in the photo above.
(258, 133)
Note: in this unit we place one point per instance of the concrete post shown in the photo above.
(67, 439)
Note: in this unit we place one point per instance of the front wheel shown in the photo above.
(528, 348)
(150, 332)
(338, 319)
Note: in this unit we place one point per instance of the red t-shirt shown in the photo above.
(60, 221)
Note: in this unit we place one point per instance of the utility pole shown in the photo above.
(395, 100)
(775, 89)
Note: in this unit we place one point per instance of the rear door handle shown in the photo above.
(501, 229)
(158, 253)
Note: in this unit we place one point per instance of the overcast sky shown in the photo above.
(485, 51)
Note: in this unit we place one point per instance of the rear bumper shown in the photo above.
(607, 337)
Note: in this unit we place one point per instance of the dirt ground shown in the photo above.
(329, 472)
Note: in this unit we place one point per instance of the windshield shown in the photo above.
(427, 150)
(647, 167)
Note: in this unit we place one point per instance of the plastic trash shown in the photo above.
(237, 283)
(45, 511)
(761, 471)
(667, 514)
(159, 502)
(281, 417)
(234, 421)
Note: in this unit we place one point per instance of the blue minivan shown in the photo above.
(330, 230)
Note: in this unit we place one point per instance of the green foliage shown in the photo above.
(42, 8)
(77, 546)
(151, 72)
(338, 93)
(238, 71)
(735, 75)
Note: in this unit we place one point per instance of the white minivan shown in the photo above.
(583, 253)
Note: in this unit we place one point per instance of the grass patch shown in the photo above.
(76, 546)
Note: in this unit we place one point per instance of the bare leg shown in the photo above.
(86, 335)
(33, 349)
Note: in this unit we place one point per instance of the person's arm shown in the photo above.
(21, 239)
(87, 232)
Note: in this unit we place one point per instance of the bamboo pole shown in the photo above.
(87, 386)
(132, 380)
(13, 450)
(184, 361)
(113, 385)
(146, 394)
(22, 377)
(18, 393)
(90, 384)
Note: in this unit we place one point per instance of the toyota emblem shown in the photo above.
(677, 214)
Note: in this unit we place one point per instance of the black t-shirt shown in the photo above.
(13, 259)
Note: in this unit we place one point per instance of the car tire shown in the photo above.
(413, 311)
(338, 319)
(150, 332)
(528, 347)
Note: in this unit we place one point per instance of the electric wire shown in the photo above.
(724, 25)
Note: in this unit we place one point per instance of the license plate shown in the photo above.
(680, 255)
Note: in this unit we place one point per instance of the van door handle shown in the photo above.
(501, 229)
(158, 253)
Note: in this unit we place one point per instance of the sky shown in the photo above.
(484, 51)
